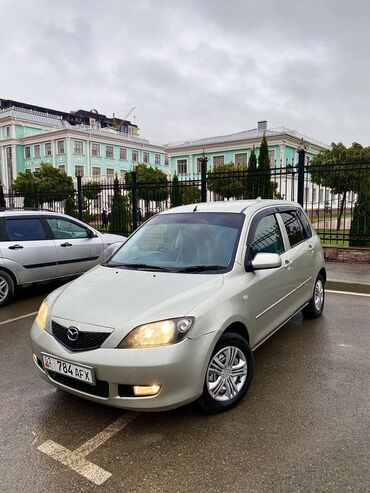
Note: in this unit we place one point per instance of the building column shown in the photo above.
(68, 157)
(88, 157)
(282, 155)
(191, 166)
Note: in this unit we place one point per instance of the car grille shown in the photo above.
(84, 342)
(100, 389)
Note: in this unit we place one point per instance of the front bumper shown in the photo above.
(179, 369)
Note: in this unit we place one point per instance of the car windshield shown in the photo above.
(182, 242)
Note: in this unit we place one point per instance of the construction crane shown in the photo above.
(129, 113)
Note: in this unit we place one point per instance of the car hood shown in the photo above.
(123, 299)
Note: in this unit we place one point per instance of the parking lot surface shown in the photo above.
(303, 426)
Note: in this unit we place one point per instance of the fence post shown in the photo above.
(301, 163)
(36, 189)
(203, 178)
(134, 201)
(79, 196)
(2, 198)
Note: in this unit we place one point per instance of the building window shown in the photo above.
(110, 172)
(109, 152)
(78, 147)
(48, 149)
(327, 195)
(146, 157)
(272, 157)
(27, 152)
(217, 160)
(199, 165)
(122, 172)
(36, 150)
(60, 147)
(321, 196)
(182, 166)
(157, 159)
(96, 171)
(135, 156)
(95, 149)
(62, 168)
(122, 153)
(307, 160)
(307, 194)
(7, 131)
(37, 169)
(314, 195)
(241, 159)
(166, 160)
(79, 170)
(28, 170)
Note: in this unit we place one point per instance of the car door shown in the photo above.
(302, 252)
(77, 249)
(269, 305)
(27, 249)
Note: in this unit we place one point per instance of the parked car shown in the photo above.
(39, 246)
(175, 314)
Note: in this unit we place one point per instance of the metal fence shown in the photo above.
(335, 197)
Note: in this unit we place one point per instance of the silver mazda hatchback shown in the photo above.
(175, 314)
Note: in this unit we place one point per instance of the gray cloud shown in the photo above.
(195, 68)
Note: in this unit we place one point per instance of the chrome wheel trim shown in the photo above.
(4, 289)
(319, 295)
(226, 374)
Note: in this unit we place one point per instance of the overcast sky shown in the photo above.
(195, 68)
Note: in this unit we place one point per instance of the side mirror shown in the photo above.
(110, 251)
(91, 233)
(266, 261)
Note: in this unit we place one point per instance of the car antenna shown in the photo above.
(195, 208)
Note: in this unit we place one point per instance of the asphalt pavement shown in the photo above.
(303, 426)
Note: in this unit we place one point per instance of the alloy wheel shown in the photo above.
(4, 288)
(319, 295)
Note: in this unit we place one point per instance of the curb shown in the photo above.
(351, 287)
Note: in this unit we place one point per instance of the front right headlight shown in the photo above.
(42, 314)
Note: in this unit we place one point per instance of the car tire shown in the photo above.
(316, 304)
(228, 375)
(6, 288)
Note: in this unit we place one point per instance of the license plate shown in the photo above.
(73, 370)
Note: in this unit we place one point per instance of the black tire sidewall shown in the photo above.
(8, 278)
(207, 402)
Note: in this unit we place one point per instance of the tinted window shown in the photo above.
(307, 231)
(63, 229)
(267, 237)
(293, 227)
(24, 229)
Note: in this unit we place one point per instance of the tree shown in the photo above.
(360, 225)
(151, 185)
(251, 176)
(226, 180)
(264, 186)
(341, 169)
(175, 196)
(70, 207)
(120, 212)
(52, 185)
(190, 195)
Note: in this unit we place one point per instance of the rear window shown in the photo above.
(293, 227)
(25, 229)
(307, 231)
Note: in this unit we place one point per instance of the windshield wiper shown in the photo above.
(201, 268)
(138, 266)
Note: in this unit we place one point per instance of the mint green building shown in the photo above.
(80, 143)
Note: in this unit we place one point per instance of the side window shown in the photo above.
(25, 229)
(267, 237)
(63, 229)
(293, 227)
(307, 231)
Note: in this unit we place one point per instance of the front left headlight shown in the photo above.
(42, 314)
(156, 334)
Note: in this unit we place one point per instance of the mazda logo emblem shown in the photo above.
(73, 333)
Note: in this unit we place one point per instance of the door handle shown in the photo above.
(288, 264)
(311, 247)
(66, 244)
(15, 247)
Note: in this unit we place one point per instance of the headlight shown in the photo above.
(160, 333)
(42, 315)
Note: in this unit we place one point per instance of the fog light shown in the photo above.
(142, 390)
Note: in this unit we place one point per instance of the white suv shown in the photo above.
(39, 246)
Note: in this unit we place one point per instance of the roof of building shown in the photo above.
(227, 206)
(251, 134)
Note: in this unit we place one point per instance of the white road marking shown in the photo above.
(32, 314)
(347, 292)
(76, 460)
